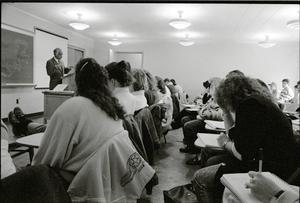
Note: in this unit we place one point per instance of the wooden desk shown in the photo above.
(33, 141)
(52, 100)
(69, 79)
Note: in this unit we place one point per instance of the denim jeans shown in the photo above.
(203, 182)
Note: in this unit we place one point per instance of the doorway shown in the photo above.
(135, 59)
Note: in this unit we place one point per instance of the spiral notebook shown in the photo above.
(236, 184)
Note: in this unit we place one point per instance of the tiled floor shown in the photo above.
(169, 164)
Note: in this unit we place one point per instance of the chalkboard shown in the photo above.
(16, 57)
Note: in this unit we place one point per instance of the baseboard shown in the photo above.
(31, 115)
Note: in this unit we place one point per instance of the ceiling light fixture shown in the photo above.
(179, 23)
(78, 24)
(267, 43)
(115, 41)
(293, 24)
(186, 41)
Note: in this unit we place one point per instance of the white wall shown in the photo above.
(191, 66)
(32, 100)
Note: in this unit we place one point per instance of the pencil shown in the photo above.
(260, 160)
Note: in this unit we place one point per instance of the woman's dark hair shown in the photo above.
(206, 84)
(161, 85)
(233, 90)
(174, 82)
(235, 73)
(120, 72)
(91, 81)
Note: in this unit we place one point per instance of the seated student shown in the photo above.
(170, 86)
(259, 123)
(295, 100)
(273, 90)
(138, 88)
(210, 111)
(178, 88)
(152, 93)
(7, 166)
(168, 103)
(86, 142)
(119, 81)
(201, 99)
(21, 125)
(286, 94)
(265, 189)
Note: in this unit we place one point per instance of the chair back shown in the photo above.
(135, 135)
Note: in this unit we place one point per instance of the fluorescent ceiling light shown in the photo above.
(115, 41)
(179, 23)
(267, 43)
(186, 41)
(78, 24)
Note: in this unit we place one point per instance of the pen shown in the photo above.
(260, 156)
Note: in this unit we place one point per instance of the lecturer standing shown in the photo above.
(56, 68)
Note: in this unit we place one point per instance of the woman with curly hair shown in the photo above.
(119, 81)
(259, 124)
(86, 143)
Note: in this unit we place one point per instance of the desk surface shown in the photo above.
(209, 128)
(198, 143)
(31, 140)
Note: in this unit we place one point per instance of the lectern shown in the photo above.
(70, 80)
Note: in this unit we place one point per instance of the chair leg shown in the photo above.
(31, 154)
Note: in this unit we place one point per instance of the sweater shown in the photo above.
(77, 132)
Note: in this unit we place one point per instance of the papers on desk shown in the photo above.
(236, 184)
(189, 105)
(209, 140)
(296, 122)
(218, 125)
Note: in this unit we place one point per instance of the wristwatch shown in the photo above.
(274, 199)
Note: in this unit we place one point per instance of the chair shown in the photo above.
(135, 136)
(34, 184)
(14, 147)
(146, 125)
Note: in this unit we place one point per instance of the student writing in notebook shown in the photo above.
(268, 191)
(259, 123)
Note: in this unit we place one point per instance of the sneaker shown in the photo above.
(18, 112)
(193, 161)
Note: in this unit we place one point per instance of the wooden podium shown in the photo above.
(52, 100)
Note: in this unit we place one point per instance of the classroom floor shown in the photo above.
(169, 164)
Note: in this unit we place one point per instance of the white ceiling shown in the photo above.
(136, 22)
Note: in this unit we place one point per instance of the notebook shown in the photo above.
(236, 184)
(209, 139)
(215, 124)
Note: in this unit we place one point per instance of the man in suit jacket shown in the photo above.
(56, 68)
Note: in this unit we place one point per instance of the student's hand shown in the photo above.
(222, 139)
(262, 187)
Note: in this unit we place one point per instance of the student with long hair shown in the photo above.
(86, 143)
